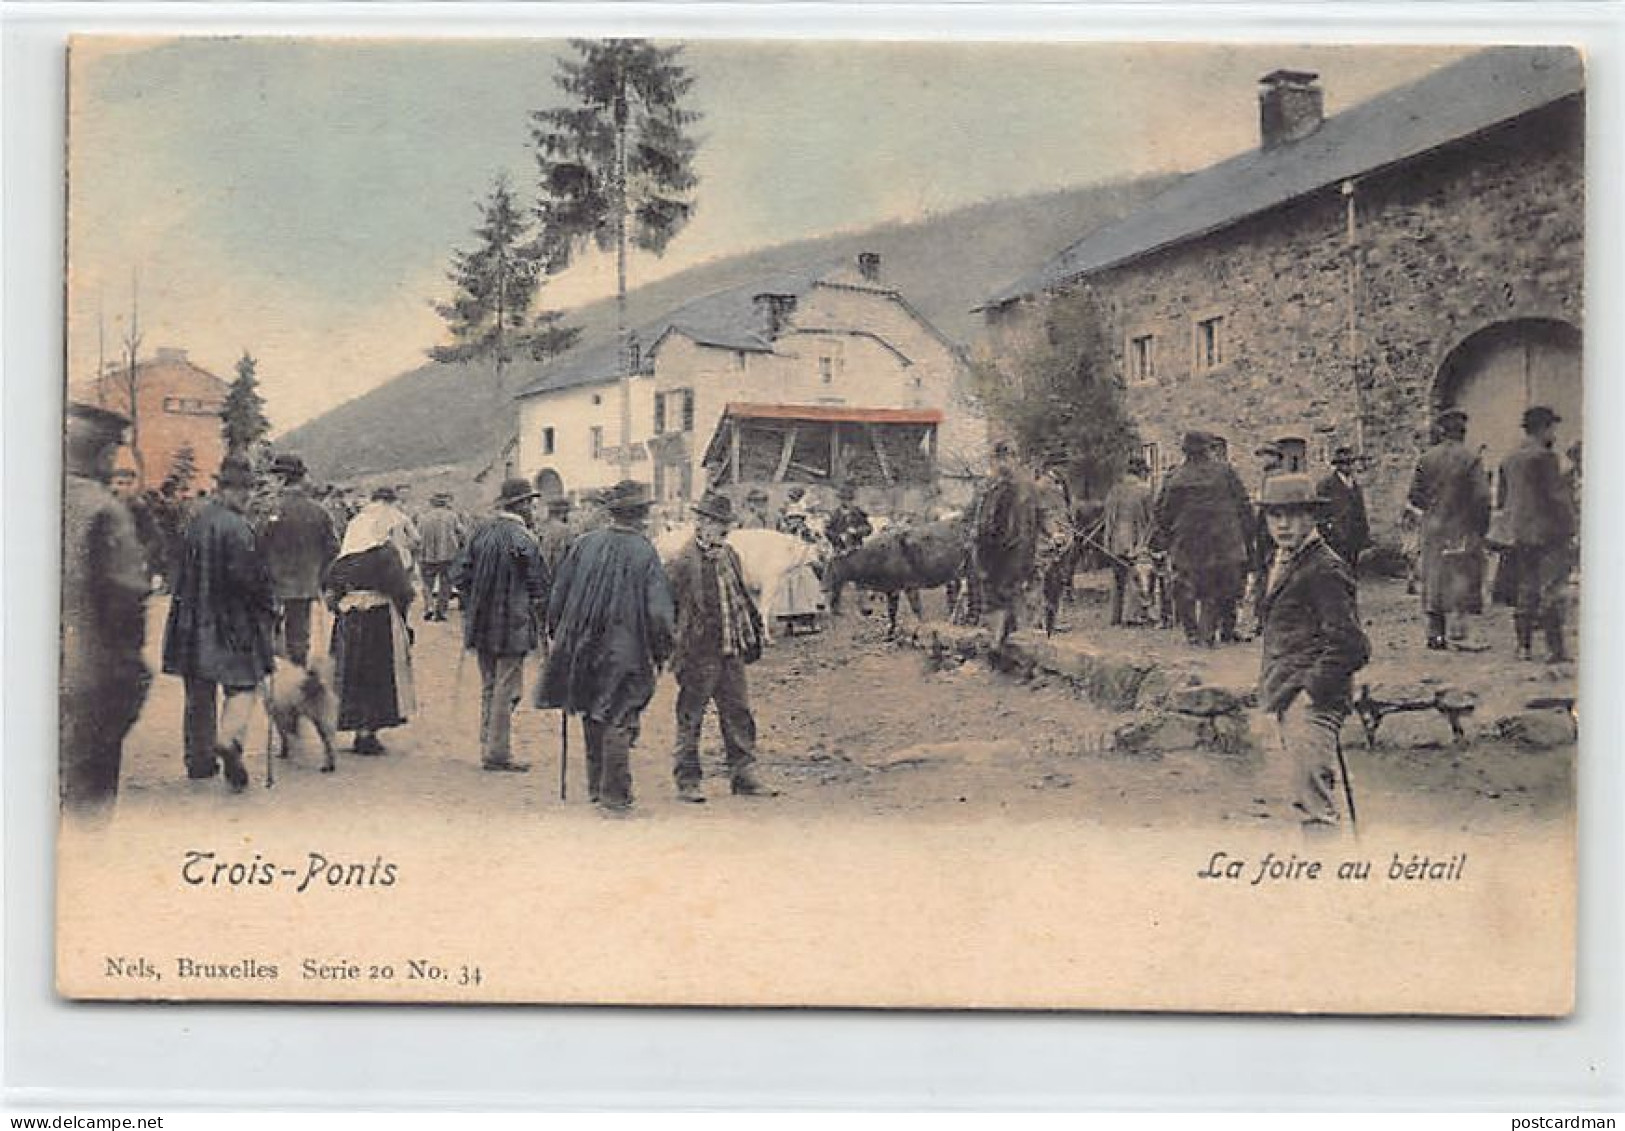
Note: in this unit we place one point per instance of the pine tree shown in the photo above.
(496, 284)
(1058, 401)
(242, 419)
(182, 470)
(615, 165)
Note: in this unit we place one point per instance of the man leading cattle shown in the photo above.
(719, 631)
(1312, 646)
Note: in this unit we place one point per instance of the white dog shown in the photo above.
(297, 693)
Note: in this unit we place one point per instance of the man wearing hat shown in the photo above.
(611, 620)
(719, 631)
(1202, 522)
(442, 536)
(1538, 512)
(1450, 493)
(848, 525)
(299, 543)
(1312, 646)
(1005, 530)
(1343, 522)
(504, 584)
(104, 598)
(1128, 518)
(220, 624)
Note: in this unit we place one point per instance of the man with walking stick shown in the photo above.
(1313, 645)
(611, 620)
(504, 584)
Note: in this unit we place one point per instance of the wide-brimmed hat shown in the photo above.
(234, 472)
(1538, 416)
(286, 463)
(515, 491)
(716, 506)
(1289, 492)
(626, 497)
(96, 425)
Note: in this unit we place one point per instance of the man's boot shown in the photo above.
(747, 784)
(1436, 640)
(1526, 632)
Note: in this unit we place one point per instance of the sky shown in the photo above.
(300, 198)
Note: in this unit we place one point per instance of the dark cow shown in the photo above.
(901, 559)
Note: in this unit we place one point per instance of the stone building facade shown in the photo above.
(1351, 311)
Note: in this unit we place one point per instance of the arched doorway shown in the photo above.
(548, 484)
(1499, 371)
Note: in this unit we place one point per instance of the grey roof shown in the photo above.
(727, 319)
(1457, 101)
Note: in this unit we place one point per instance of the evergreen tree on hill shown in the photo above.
(242, 419)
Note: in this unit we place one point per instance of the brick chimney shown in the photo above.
(1290, 107)
(773, 312)
(869, 266)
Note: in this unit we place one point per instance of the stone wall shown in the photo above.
(1338, 309)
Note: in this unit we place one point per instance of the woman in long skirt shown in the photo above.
(369, 589)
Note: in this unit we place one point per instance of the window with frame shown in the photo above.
(547, 440)
(687, 405)
(660, 414)
(1210, 342)
(595, 442)
(1142, 358)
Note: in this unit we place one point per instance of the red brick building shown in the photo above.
(178, 405)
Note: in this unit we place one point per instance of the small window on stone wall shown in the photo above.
(1142, 359)
(1210, 345)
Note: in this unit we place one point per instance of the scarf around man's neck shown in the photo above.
(740, 635)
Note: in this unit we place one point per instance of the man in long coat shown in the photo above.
(504, 585)
(719, 631)
(1343, 521)
(219, 630)
(299, 543)
(611, 620)
(1538, 510)
(1127, 534)
(1005, 533)
(1312, 646)
(1202, 522)
(104, 598)
(1451, 493)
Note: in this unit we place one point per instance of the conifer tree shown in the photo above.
(242, 419)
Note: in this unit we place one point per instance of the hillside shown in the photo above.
(945, 265)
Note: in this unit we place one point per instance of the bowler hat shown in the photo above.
(626, 497)
(234, 472)
(515, 491)
(286, 463)
(716, 506)
(1538, 416)
(383, 494)
(1289, 492)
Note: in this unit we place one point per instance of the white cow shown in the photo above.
(778, 571)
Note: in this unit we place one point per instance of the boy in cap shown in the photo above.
(1538, 508)
(611, 621)
(1312, 646)
(104, 595)
(719, 631)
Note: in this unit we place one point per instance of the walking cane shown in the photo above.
(1348, 789)
(270, 733)
(564, 754)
